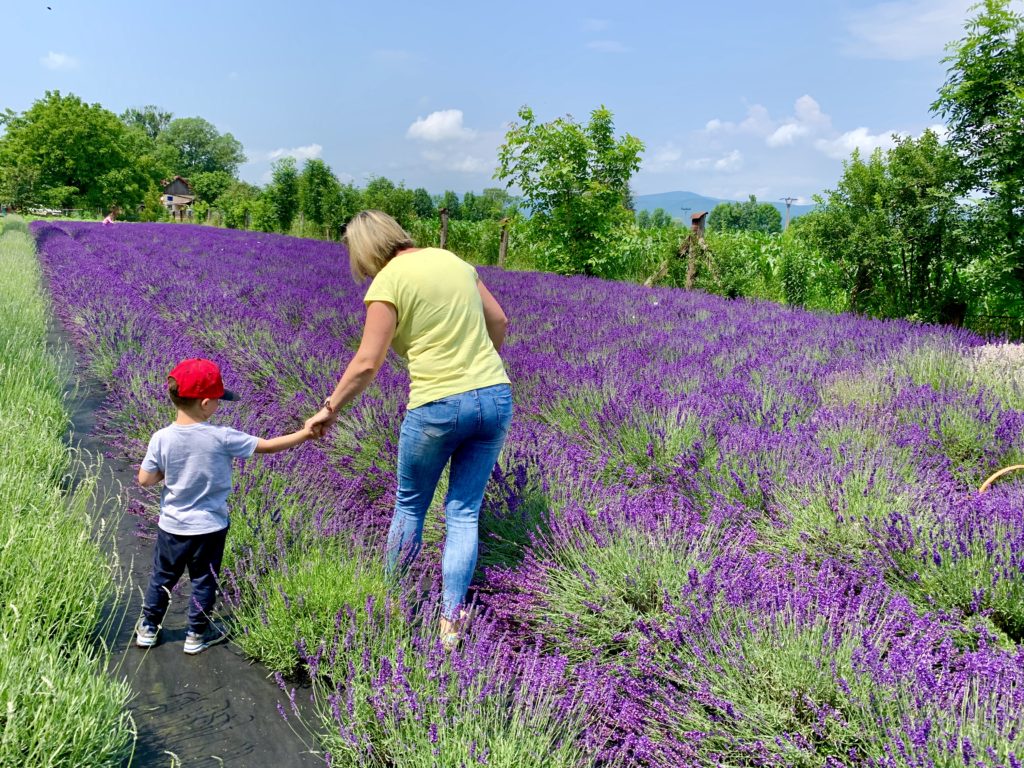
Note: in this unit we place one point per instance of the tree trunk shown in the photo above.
(444, 227)
(503, 246)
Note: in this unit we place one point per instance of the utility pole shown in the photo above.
(788, 201)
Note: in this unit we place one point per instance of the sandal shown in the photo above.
(450, 640)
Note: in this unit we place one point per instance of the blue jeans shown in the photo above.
(469, 429)
(202, 555)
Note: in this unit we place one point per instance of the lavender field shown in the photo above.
(722, 533)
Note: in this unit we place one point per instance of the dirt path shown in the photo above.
(214, 710)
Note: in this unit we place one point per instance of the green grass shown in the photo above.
(938, 365)
(302, 598)
(58, 705)
(835, 517)
(394, 697)
(979, 577)
(597, 593)
(643, 443)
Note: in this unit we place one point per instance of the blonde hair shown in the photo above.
(373, 238)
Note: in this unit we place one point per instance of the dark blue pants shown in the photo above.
(202, 555)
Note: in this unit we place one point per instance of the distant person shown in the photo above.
(111, 217)
(433, 309)
(193, 458)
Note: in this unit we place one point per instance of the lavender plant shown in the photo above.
(721, 532)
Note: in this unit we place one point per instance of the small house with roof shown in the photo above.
(178, 198)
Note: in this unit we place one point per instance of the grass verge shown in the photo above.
(58, 707)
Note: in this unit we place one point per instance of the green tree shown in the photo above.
(575, 181)
(346, 204)
(382, 194)
(191, 145)
(748, 216)
(851, 230)
(151, 119)
(451, 201)
(210, 185)
(318, 193)
(492, 204)
(423, 204)
(63, 152)
(896, 231)
(283, 192)
(238, 202)
(18, 182)
(659, 218)
(928, 224)
(982, 101)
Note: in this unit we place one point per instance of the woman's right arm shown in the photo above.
(494, 316)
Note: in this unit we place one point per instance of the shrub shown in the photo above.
(302, 599)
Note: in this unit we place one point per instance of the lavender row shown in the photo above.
(722, 532)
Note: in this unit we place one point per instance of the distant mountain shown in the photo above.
(682, 205)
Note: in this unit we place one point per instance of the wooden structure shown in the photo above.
(444, 227)
(692, 248)
(503, 245)
(177, 198)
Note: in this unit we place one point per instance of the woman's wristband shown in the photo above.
(328, 407)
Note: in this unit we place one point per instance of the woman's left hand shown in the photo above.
(320, 422)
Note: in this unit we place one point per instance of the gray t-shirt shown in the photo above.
(196, 462)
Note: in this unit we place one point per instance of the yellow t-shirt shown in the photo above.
(441, 329)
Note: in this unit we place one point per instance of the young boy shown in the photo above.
(193, 458)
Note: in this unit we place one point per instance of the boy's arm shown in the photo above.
(149, 479)
(283, 443)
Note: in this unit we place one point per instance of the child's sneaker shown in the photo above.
(145, 635)
(198, 643)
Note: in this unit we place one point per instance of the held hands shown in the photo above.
(319, 423)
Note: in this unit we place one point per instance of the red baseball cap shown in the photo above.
(200, 379)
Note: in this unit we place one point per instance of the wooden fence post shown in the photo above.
(503, 247)
(444, 227)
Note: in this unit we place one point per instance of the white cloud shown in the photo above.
(457, 161)
(808, 112)
(730, 162)
(905, 29)
(299, 153)
(842, 146)
(663, 159)
(55, 61)
(470, 164)
(757, 122)
(671, 159)
(444, 125)
(807, 120)
(595, 25)
(607, 46)
(786, 134)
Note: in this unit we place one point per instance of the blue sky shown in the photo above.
(730, 98)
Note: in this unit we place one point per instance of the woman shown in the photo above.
(433, 309)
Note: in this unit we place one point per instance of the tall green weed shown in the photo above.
(58, 706)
